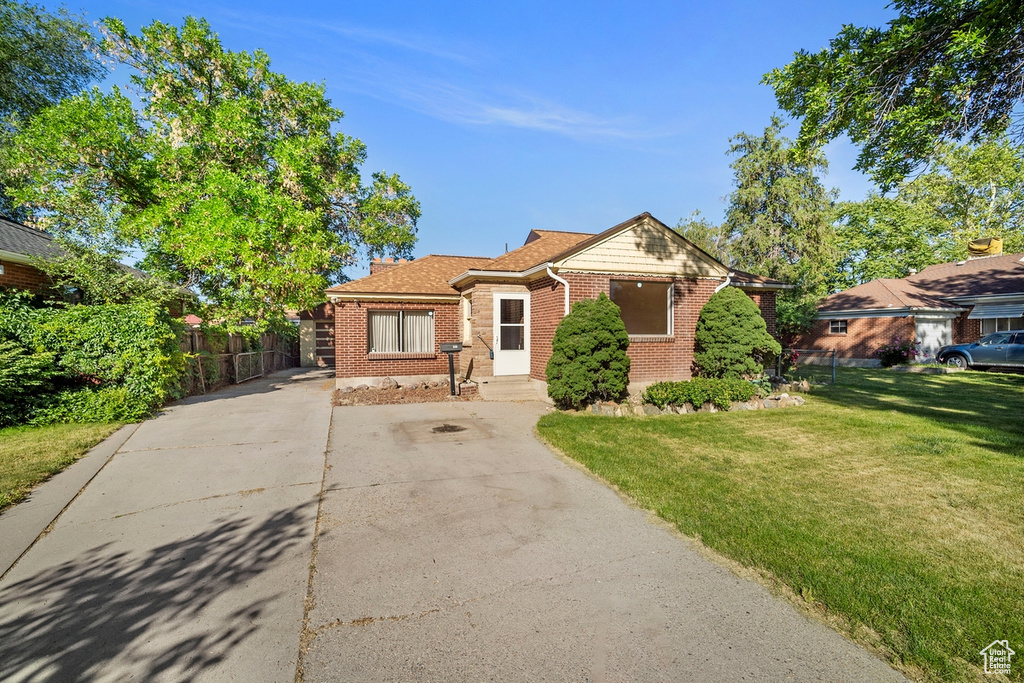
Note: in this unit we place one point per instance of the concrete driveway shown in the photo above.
(187, 556)
(452, 545)
(477, 554)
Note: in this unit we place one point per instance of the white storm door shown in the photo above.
(511, 333)
(932, 334)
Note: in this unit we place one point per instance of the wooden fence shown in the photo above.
(215, 361)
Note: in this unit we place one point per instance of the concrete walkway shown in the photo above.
(478, 555)
(187, 556)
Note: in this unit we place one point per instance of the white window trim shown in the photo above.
(671, 310)
(401, 330)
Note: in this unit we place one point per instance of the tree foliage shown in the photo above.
(588, 355)
(779, 219)
(967, 192)
(98, 278)
(713, 239)
(44, 57)
(943, 70)
(225, 174)
(732, 339)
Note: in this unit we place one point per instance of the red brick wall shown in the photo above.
(863, 336)
(19, 276)
(650, 358)
(966, 331)
(766, 302)
(351, 341)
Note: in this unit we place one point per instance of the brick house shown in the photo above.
(505, 310)
(19, 245)
(948, 303)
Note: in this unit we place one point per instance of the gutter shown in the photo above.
(498, 274)
(725, 282)
(565, 284)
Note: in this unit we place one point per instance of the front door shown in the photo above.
(511, 333)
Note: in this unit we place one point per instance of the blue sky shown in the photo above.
(556, 115)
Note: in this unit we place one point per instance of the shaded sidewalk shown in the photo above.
(186, 557)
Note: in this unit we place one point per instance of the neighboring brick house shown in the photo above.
(19, 245)
(948, 303)
(505, 310)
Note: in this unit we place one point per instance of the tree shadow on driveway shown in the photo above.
(151, 612)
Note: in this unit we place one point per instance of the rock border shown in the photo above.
(633, 408)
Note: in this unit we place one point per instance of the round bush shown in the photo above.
(588, 355)
(732, 338)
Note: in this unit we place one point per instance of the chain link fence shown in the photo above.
(817, 366)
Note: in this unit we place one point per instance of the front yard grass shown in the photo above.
(30, 455)
(892, 503)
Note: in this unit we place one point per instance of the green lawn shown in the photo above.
(894, 503)
(29, 455)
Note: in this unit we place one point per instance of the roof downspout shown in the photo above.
(565, 284)
(725, 283)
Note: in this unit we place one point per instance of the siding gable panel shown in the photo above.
(644, 249)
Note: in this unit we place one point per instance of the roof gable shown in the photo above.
(642, 245)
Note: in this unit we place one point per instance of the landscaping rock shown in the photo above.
(387, 383)
(708, 408)
(347, 390)
(804, 385)
(799, 400)
(770, 403)
(362, 387)
(741, 405)
(651, 409)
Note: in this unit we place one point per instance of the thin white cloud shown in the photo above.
(372, 68)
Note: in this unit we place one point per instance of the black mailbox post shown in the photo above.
(451, 349)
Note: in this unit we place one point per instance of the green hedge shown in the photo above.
(700, 390)
(103, 363)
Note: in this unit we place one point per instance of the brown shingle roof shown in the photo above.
(540, 247)
(982, 276)
(427, 275)
(935, 285)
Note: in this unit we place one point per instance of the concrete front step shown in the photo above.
(509, 388)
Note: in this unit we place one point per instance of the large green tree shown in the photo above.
(943, 70)
(229, 178)
(44, 57)
(966, 193)
(779, 219)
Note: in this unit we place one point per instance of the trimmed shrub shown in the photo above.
(105, 363)
(732, 338)
(588, 355)
(700, 390)
(898, 352)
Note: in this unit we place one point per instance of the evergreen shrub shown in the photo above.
(732, 338)
(588, 355)
(700, 390)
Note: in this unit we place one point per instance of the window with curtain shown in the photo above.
(645, 307)
(401, 331)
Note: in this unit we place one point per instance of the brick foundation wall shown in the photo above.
(863, 336)
(352, 358)
(20, 276)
